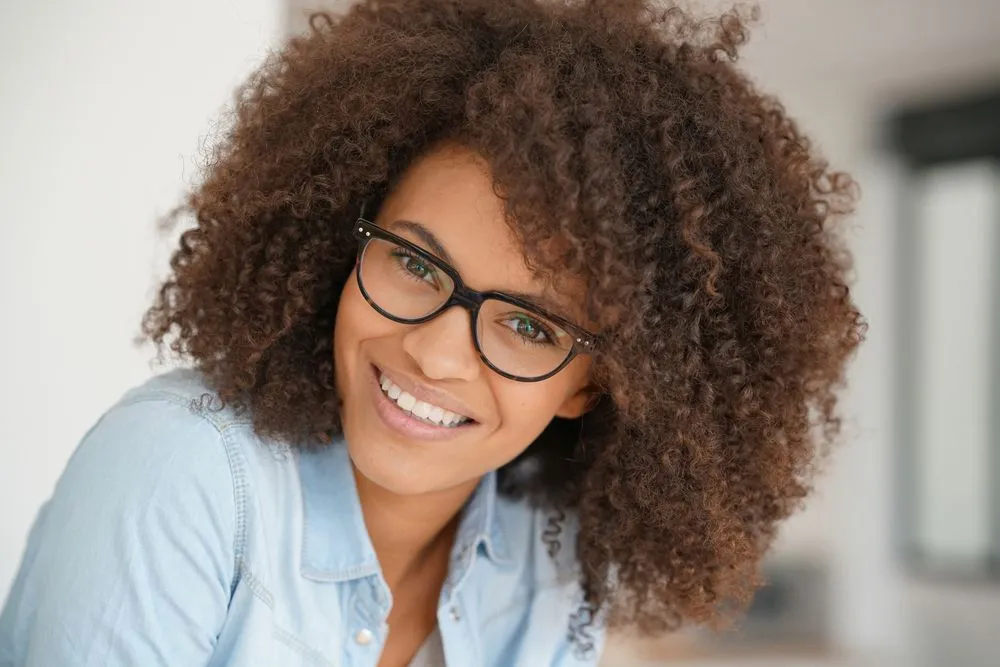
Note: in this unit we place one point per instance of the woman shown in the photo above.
(509, 322)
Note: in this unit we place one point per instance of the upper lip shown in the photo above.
(429, 394)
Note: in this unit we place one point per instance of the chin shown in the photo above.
(390, 467)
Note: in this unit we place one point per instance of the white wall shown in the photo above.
(957, 209)
(879, 612)
(102, 104)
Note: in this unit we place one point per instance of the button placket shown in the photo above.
(367, 606)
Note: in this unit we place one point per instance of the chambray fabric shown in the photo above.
(178, 537)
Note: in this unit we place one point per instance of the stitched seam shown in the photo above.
(294, 642)
(237, 471)
(366, 569)
(185, 401)
(255, 585)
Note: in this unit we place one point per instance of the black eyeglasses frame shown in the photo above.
(462, 295)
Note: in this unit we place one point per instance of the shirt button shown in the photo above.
(455, 616)
(364, 636)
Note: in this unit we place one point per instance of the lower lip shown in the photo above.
(405, 424)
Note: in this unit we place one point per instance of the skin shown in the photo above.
(412, 491)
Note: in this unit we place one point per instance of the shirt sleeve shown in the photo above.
(132, 560)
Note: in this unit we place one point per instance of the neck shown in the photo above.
(410, 533)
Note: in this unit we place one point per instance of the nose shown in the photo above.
(443, 347)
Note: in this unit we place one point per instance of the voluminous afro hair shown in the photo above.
(696, 212)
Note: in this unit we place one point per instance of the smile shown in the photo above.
(425, 412)
(412, 418)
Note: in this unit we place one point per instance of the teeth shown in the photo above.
(421, 409)
(406, 401)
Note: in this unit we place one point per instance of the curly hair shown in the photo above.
(630, 152)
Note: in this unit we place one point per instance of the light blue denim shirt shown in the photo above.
(176, 536)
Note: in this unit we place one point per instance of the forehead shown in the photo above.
(450, 192)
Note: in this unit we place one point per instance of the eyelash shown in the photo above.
(401, 253)
(546, 331)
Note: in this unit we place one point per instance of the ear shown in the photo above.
(580, 403)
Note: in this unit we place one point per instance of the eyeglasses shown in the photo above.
(516, 339)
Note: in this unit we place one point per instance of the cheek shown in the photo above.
(342, 327)
(527, 408)
(349, 330)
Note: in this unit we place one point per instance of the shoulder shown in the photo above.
(169, 449)
(172, 428)
(168, 469)
(187, 389)
(178, 414)
(144, 522)
(175, 426)
(163, 444)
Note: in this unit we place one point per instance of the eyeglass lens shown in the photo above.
(409, 286)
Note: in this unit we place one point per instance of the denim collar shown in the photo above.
(335, 542)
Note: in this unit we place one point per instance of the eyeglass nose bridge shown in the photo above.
(470, 301)
(463, 296)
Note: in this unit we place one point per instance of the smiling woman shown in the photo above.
(509, 322)
(508, 373)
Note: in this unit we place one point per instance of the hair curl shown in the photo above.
(700, 217)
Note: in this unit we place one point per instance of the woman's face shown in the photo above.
(449, 193)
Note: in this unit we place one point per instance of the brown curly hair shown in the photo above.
(630, 152)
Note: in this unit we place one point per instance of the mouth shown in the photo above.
(412, 417)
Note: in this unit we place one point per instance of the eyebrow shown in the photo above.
(427, 236)
(541, 302)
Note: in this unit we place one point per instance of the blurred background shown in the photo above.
(104, 106)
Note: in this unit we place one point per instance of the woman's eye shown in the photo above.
(529, 329)
(417, 267)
